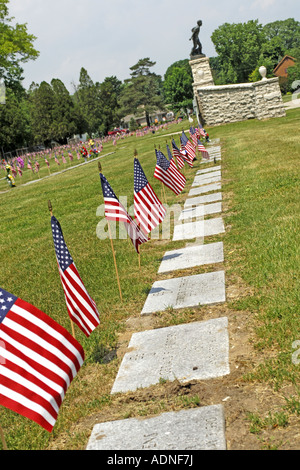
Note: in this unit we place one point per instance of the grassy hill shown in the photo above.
(260, 184)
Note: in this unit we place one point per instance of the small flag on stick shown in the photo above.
(115, 211)
(38, 361)
(188, 147)
(177, 155)
(202, 149)
(81, 307)
(168, 173)
(148, 209)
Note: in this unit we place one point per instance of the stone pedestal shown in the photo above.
(202, 77)
(201, 71)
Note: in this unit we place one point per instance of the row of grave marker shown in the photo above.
(193, 351)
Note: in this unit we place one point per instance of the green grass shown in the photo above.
(260, 163)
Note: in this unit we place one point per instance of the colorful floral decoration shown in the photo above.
(9, 177)
(84, 152)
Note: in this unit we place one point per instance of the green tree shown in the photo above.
(109, 91)
(63, 117)
(238, 46)
(142, 93)
(15, 130)
(178, 88)
(294, 72)
(287, 31)
(87, 96)
(16, 48)
(42, 103)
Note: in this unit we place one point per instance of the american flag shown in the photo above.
(81, 307)
(168, 173)
(114, 210)
(185, 156)
(193, 135)
(201, 131)
(148, 210)
(188, 147)
(38, 361)
(177, 155)
(202, 149)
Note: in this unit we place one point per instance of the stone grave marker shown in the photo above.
(208, 170)
(188, 291)
(191, 351)
(204, 189)
(211, 174)
(198, 228)
(203, 181)
(201, 210)
(200, 428)
(192, 256)
(195, 201)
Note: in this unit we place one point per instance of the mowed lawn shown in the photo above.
(260, 160)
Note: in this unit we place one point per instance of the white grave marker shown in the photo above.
(192, 351)
(195, 429)
(198, 228)
(189, 291)
(193, 212)
(195, 201)
(192, 256)
(205, 189)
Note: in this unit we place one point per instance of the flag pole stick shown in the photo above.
(112, 248)
(139, 255)
(51, 213)
(115, 262)
(3, 439)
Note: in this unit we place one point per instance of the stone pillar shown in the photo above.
(201, 71)
(202, 77)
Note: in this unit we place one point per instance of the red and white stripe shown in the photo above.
(179, 159)
(38, 361)
(173, 181)
(81, 307)
(148, 210)
(203, 150)
(113, 210)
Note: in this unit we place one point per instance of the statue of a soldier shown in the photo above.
(197, 46)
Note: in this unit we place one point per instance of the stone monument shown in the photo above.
(198, 61)
(221, 104)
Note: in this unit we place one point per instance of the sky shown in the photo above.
(107, 37)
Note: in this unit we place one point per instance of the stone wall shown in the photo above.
(232, 103)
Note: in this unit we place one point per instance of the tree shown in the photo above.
(238, 46)
(142, 93)
(87, 96)
(42, 103)
(178, 85)
(287, 31)
(15, 131)
(16, 48)
(109, 93)
(63, 119)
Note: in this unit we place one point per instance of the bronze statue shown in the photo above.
(197, 47)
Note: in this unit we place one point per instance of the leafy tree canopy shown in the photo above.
(16, 47)
(142, 93)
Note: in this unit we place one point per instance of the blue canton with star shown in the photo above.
(62, 253)
(107, 190)
(140, 180)
(7, 300)
(162, 161)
